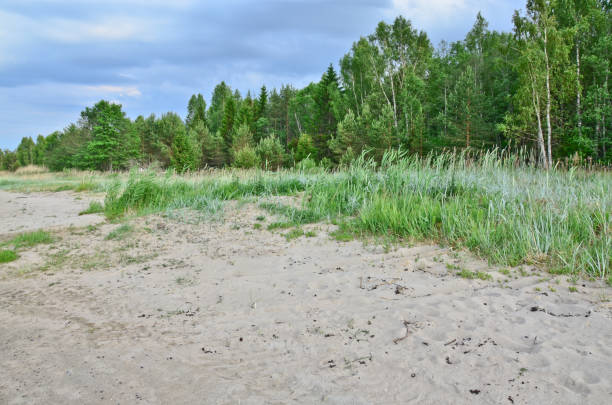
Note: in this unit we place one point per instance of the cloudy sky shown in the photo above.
(59, 56)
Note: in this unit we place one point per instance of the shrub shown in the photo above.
(246, 158)
(270, 152)
(305, 148)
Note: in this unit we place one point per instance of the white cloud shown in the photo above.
(121, 91)
(17, 30)
(113, 28)
(429, 11)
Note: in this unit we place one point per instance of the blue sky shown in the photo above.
(59, 56)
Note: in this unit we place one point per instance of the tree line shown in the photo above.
(543, 86)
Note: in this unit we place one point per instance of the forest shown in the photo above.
(542, 88)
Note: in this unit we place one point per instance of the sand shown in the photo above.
(22, 212)
(185, 310)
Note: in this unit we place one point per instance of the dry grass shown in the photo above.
(30, 170)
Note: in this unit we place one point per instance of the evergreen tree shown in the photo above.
(196, 111)
(227, 125)
(221, 94)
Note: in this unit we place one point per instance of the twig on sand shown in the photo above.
(450, 343)
(360, 359)
(399, 339)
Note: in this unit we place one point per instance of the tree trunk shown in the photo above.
(578, 89)
(297, 121)
(468, 123)
(394, 102)
(536, 106)
(355, 94)
(445, 110)
(603, 119)
(548, 124)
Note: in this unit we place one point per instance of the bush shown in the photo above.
(270, 152)
(306, 165)
(305, 148)
(186, 152)
(246, 158)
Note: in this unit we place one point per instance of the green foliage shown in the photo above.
(357, 134)
(26, 152)
(270, 153)
(186, 152)
(227, 125)
(305, 148)
(196, 111)
(113, 142)
(246, 158)
(8, 160)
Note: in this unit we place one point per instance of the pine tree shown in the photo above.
(227, 124)
(196, 110)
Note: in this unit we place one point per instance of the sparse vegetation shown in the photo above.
(29, 239)
(120, 232)
(294, 234)
(474, 275)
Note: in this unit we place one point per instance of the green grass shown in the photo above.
(29, 239)
(294, 234)
(471, 275)
(120, 232)
(95, 207)
(7, 256)
(68, 180)
(500, 209)
(280, 225)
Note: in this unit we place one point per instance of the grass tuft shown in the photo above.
(120, 232)
(95, 207)
(294, 234)
(29, 239)
(7, 256)
(471, 275)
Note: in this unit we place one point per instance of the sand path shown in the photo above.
(221, 313)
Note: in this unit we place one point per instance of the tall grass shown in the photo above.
(492, 204)
(39, 179)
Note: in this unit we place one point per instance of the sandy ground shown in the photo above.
(21, 212)
(186, 311)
